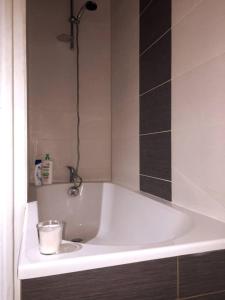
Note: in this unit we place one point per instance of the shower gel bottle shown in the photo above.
(47, 170)
(37, 173)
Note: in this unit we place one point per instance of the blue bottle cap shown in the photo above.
(37, 161)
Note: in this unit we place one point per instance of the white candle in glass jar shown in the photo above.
(50, 236)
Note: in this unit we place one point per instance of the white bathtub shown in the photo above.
(117, 226)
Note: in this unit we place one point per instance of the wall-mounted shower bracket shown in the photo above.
(89, 5)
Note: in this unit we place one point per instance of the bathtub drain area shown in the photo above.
(77, 240)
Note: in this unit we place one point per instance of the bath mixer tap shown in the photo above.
(72, 173)
(76, 180)
(73, 191)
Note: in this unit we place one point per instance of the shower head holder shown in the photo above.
(89, 5)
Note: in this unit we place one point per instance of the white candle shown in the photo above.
(50, 236)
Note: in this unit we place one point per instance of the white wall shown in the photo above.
(13, 136)
(125, 93)
(6, 152)
(20, 129)
(52, 80)
(198, 106)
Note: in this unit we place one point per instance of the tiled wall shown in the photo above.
(198, 276)
(51, 89)
(155, 97)
(198, 105)
(125, 93)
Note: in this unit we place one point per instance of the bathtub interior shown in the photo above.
(129, 218)
(106, 214)
(80, 215)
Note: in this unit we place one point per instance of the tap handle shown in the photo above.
(72, 170)
(72, 173)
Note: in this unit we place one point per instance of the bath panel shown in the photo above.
(139, 281)
(199, 276)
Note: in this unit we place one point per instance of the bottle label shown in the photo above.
(45, 170)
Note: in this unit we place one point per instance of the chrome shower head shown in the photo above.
(89, 5)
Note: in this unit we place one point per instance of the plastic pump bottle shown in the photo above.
(47, 170)
(37, 173)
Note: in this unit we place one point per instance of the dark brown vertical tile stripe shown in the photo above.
(203, 273)
(155, 64)
(155, 155)
(144, 4)
(155, 99)
(155, 110)
(155, 280)
(156, 187)
(155, 21)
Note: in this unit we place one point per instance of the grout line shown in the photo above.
(178, 279)
(146, 7)
(156, 41)
(202, 295)
(208, 61)
(156, 132)
(187, 14)
(155, 177)
(155, 87)
(171, 27)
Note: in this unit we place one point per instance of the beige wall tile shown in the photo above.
(181, 8)
(198, 144)
(125, 93)
(91, 164)
(124, 170)
(198, 37)
(55, 124)
(52, 80)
